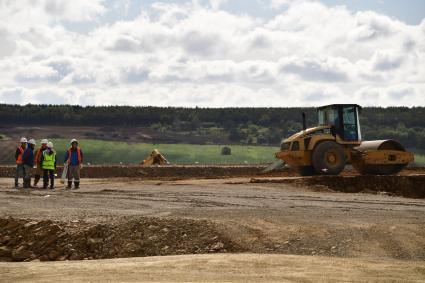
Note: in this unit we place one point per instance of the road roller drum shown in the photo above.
(380, 157)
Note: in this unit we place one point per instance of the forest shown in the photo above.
(262, 126)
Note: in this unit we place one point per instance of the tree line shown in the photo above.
(242, 125)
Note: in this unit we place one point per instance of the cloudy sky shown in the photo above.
(212, 53)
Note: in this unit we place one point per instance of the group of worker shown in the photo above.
(42, 162)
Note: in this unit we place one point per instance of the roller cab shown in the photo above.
(337, 141)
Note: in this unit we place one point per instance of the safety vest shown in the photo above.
(38, 154)
(48, 160)
(79, 155)
(19, 158)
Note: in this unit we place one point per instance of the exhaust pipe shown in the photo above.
(304, 122)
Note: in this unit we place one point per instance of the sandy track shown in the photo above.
(217, 268)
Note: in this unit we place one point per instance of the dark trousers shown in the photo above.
(20, 172)
(48, 174)
(38, 174)
(28, 175)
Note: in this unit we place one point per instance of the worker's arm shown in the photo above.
(40, 161)
(66, 157)
(17, 152)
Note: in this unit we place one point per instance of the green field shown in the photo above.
(108, 152)
(420, 159)
(104, 152)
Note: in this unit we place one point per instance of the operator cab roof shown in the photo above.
(338, 106)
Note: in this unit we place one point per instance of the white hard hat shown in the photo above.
(44, 141)
(73, 140)
(31, 141)
(50, 145)
(23, 139)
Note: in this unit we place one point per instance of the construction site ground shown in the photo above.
(270, 228)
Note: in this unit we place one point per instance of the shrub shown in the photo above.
(225, 150)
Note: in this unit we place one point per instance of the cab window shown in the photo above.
(349, 117)
(328, 117)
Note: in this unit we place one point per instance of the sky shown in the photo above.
(213, 53)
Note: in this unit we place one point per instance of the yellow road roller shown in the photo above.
(327, 148)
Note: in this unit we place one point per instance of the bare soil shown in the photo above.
(242, 216)
(128, 217)
(167, 172)
(217, 268)
(182, 172)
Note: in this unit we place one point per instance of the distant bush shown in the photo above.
(90, 134)
(54, 136)
(225, 150)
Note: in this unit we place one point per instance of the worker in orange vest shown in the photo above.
(20, 169)
(74, 160)
(38, 154)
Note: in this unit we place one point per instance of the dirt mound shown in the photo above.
(412, 186)
(26, 239)
(177, 172)
(163, 172)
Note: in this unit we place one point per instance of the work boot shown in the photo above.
(69, 185)
(36, 181)
(76, 185)
(28, 185)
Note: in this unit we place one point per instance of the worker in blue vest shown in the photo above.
(28, 161)
(74, 159)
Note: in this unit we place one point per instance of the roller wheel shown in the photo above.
(328, 158)
(306, 171)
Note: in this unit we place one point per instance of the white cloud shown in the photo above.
(311, 69)
(29, 12)
(383, 61)
(276, 4)
(396, 94)
(203, 55)
(217, 4)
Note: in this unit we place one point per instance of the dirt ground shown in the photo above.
(218, 268)
(119, 218)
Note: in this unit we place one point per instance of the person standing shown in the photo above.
(20, 169)
(38, 153)
(48, 164)
(74, 159)
(28, 162)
